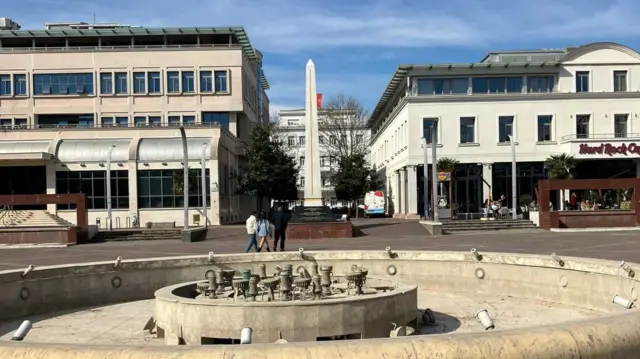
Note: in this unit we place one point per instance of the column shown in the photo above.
(487, 175)
(396, 193)
(133, 190)
(402, 192)
(50, 172)
(412, 192)
(214, 187)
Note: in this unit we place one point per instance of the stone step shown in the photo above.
(137, 235)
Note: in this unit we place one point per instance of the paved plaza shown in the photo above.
(375, 234)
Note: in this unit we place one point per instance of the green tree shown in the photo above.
(447, 164)
(268, 171)
(560, 167)
(354, 178)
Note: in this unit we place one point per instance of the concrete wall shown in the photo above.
(587, 283)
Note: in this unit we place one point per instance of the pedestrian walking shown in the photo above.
(263, 228)
(280, 221)
(251, 225)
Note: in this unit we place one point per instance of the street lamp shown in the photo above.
(204, 183)
(185, 161)
(513, 176)
(108, 179)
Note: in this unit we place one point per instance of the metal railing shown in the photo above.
(601, 136)
(128, 125)
(120, 48)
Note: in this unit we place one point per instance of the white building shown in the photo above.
(291, 127)
(583, 101)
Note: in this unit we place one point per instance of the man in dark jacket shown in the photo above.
(279, 221)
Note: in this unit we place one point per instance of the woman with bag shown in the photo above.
(263, 228)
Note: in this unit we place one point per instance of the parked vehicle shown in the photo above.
(374, 204)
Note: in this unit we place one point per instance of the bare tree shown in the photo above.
(343, 127)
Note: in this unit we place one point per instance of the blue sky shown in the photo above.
(356, 47)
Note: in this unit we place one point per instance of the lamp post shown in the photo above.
(108, 179)
(434, 170)
(425, 175)
(513, 176)
(185, 161)
(204, 183)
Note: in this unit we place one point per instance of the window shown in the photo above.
(5, 85)
(163, 188)
(291, 140)
(173, 82)
(106, 83)
(459, 86)
(174, 121)
(582, 81)
(325, 182)
(154, 82)
(511, 84)
(467, 129)
(188, 82)
(620, 125)
(155, 121)
(20, 85)
(85, 121)
(121, 83)
(20, 122)
(217, 118)
(582, 126)
(505, 128)
(189, 120)
(359, 139)
(301, 140)
(540, 83)
(221, 81)
(292, 123)
(63, 84)
(139, 82)
(323, 160)
(122, 121)
(6, 123)
(106, 121)
(620, 81)
(302, 181)
(302, 161)
(429, 129)
(544, 128)
(333, 140)
(140, 121)
(93, 185)
(206, 84)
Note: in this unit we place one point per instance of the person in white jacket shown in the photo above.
(251, 232)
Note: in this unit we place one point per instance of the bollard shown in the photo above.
(28, 270)
(22, 331)
(485, 319)
(626, 303)
(117, 262)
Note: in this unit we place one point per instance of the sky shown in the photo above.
(357, 45)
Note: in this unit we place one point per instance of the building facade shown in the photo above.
(73, 91)
(581, 101)
(291, 128)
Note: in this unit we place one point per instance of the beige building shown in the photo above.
(71, 92)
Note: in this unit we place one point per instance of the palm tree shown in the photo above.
(560, 167)
(447, 164)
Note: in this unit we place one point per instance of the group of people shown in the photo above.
(260, 229)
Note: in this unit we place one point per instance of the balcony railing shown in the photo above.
(92, 127)
(120, 48)
(601, 136)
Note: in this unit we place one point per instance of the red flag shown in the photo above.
(319, 100)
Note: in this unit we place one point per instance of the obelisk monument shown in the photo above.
(312, 187)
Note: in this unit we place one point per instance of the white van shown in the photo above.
(374, 202)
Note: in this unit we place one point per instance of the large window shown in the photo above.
(467, 129)
(221, 81)
(20, 85)
(582, 126)
(106, 83)
(5, 85)
(164, 188)
(429, 129)
(451, 86)
(505, 128)
(511, 84)
(121, 83)
(544, 128)
(620, 125)
(220, 118)
(173, 82)
(154, 82)
(582, 81)
(63, 84)
(94, 186)
(139, 82)
(188, 82)
(540, 83)
(206, 81)
(620, 81)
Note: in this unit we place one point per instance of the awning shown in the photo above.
(170, 149)
(25, 150)
(87, 151)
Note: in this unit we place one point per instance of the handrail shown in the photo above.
(120, 48)
(92, 127)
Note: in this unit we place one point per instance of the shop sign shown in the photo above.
(444, 176)
(610, 149)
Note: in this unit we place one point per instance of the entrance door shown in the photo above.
(467, 191)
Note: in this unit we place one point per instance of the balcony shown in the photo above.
(594, 137)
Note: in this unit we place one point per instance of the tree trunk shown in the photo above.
(355, 204)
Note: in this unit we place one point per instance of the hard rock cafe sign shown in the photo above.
(624, 149)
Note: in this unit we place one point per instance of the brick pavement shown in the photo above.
(375, 234)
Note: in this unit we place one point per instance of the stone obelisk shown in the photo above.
(312, 187)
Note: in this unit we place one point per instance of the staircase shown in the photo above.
(137, 235)
(10, 218)
(461, 226)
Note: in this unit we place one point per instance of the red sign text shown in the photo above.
(610, 149)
